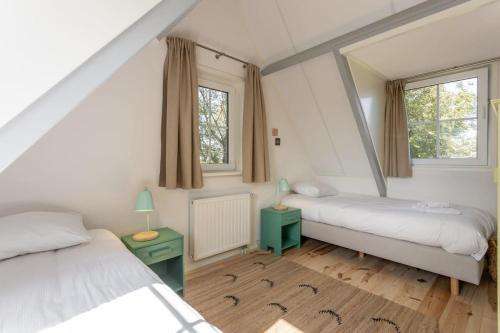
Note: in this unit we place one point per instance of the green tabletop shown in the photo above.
(166, 234)
(274, 211)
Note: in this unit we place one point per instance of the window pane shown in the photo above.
(458, 139)
(219, 146)
(214, 128)
(421, 104)
(423, 140)
(204, 104)
(204, 145)
(458, 99)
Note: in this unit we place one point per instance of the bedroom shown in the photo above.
(89, 141)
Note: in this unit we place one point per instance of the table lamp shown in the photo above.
(144, 203)
(281, 187)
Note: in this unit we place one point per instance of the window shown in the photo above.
(214, 125)
(220, 109)
(447, 119)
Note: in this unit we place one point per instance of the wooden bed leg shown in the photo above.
(361, 254)
(454, 286)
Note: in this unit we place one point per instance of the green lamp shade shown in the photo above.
(144, 202)
(283, 185)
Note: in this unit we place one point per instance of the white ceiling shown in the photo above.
(453, 41)
(265, 31)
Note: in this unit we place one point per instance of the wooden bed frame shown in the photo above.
(433, 259)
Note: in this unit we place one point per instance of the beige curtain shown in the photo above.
(396, 148)
(255, 150)
(180, 140)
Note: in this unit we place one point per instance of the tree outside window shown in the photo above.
(443, 120)
(214, 125)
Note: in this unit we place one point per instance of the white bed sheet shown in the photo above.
(466, 233)
(93, 287)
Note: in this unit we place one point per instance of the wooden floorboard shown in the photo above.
(474, 310)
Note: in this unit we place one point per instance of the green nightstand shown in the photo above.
(164, 255)
(279, 229)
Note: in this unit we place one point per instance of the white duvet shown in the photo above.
(93, 287)
(465, 233)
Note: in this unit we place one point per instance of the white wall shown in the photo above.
(371, 91)
(105, 151)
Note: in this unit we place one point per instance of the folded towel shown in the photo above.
(434, 204)
(432, 210)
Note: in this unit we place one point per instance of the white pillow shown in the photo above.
(314, 189)
(40, 231)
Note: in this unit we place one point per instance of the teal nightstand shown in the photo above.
(279, 229)
(164, 255)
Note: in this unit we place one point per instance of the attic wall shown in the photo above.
(317, 104)
(105, 151)
(312, 92)
(371, 91)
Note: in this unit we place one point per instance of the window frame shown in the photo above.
(217, 80)
(481, 158)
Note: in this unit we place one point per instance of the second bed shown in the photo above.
(450, 241)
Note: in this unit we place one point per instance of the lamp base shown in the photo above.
(280, 207)
(145, 236)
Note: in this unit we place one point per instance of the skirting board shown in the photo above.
(433, 259)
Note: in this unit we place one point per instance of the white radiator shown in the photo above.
(219, 224)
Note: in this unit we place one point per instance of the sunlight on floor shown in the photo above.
(282, 326)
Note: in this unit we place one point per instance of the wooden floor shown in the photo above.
(474, 310)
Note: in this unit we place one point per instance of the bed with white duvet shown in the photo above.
(97, 286)
(456, 229)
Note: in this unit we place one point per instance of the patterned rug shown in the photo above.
(264, 294)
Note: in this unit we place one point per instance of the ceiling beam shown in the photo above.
(393, 22)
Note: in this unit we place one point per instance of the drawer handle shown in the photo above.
(160, 252)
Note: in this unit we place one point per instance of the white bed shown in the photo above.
(451, 244)
(92, 287)
(466, 233)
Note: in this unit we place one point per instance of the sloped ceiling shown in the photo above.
(43, 41)
(423, 50)
(56, 55)
(312, 93)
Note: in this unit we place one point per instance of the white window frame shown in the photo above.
(234, 86)
(482, 120)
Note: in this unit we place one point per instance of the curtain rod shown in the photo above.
(219, 54)
(442, 71)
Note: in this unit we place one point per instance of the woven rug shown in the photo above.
(264, 294)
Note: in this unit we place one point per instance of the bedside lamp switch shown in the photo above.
(277, 141)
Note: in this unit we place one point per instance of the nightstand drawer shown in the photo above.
(290, 217)
(159, 252)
